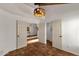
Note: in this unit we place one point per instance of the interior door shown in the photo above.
(21, 34)
(56, 34)
(42, 33)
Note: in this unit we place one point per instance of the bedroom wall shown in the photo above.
(70, 32)
(7, 32)
(33, 29)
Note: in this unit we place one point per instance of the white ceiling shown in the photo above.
(20, 9)
(25, 10)
(30, 4)
(56, 12)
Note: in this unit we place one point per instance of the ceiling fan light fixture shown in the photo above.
(39, 12)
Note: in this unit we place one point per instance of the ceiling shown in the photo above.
(26, 10)
(21, 10)
(57, 12)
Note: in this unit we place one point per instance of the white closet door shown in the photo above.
(56, 34)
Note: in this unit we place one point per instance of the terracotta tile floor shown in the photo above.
(38, 49)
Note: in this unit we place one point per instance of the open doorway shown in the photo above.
(32, 31)
(49, 34)
(26, 33)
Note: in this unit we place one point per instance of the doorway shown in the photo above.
(54, 36)
(26, 33)
(49, 34)
(32, 31)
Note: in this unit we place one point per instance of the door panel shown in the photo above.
(56, 32)
(21, 41)
(42, 33)
(21, 34)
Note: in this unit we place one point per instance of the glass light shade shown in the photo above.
(39, 12)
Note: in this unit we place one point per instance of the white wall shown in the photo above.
(33, 29)
(70, 32)
(7, 32)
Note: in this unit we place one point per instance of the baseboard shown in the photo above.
(3, 53)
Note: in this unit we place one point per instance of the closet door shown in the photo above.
(56, 34)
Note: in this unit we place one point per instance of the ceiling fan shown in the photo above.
(40, 11)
